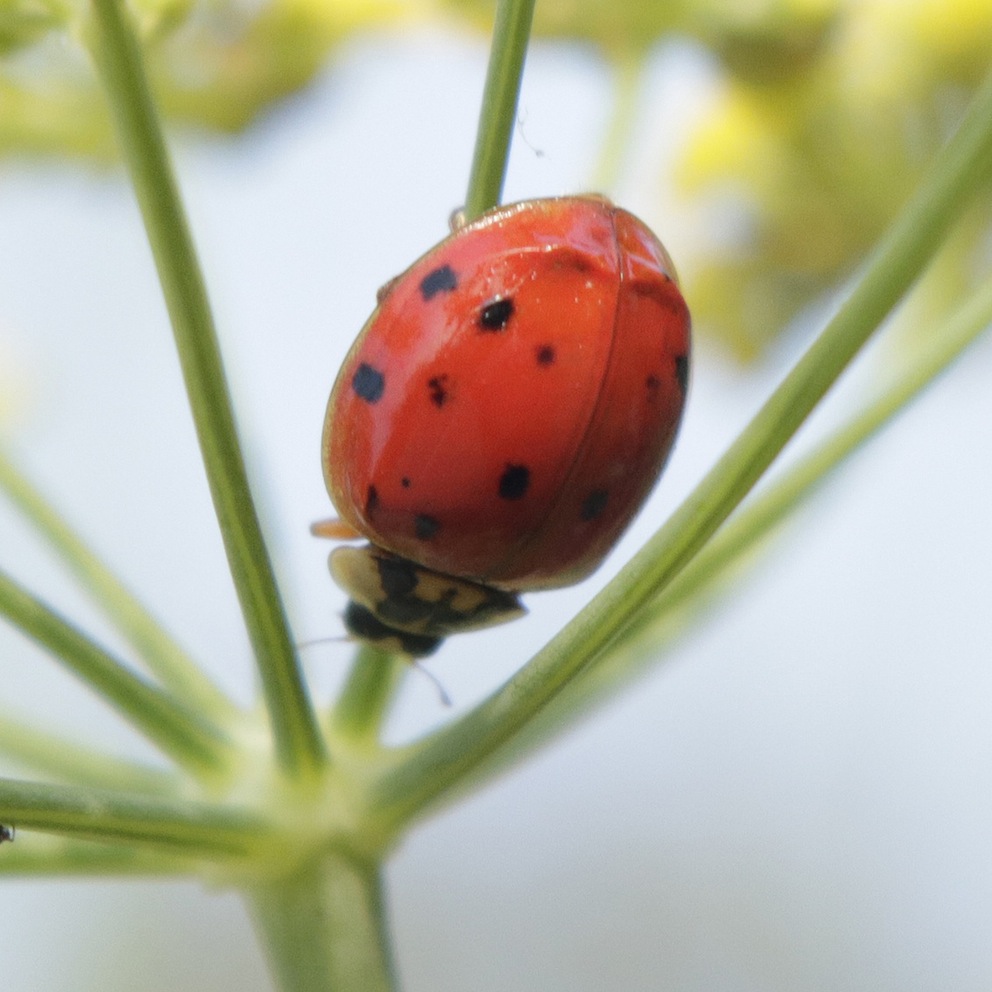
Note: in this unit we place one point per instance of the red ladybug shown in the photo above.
(502, 416)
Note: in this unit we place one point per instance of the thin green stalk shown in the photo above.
(65, 760)
(163, 656)
(784, 495)
(367, 694)
(38, 856)
(117, 56)
(324, 928)
(511, 33)
(197, 830)
(186, 736)
(697, 585)
(437, 765)
(628, 73)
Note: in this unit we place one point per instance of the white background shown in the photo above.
(798, 799)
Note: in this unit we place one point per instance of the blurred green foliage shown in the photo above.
(807, 153)
(214, 64)
(825, 114)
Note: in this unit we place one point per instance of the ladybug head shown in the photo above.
(403, 607)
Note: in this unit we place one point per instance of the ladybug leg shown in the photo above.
(334, 529)
(384, 290)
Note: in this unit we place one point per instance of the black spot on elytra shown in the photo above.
(442, 280)
(565, 259)
(371, 501)
(425, 526)
(369, 383)
(682, 372)
(545, 354)
(594, 504)
(494, 316)
(514, 482)
(653, 383)
(405, 482)
(438, 389)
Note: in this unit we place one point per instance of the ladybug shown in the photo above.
(502, 416)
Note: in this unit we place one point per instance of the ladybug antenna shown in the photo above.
(442, 693)
(411, 661)
(317, 641)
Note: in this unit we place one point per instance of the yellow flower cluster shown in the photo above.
(214, 64)
(827, 111)
(811, 152)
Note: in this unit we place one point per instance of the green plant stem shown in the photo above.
(695, 588)
(757, 519)
(68, 761)
(628, 72)
(117, 56)
(38, 856)
(183, 734)
(162, 655)
(367, 694)
(511, 33)
(195, 830)
(324, 927)
(425, 774)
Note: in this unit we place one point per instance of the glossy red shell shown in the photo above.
(511, 402)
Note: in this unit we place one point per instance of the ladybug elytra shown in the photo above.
(502, 416)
